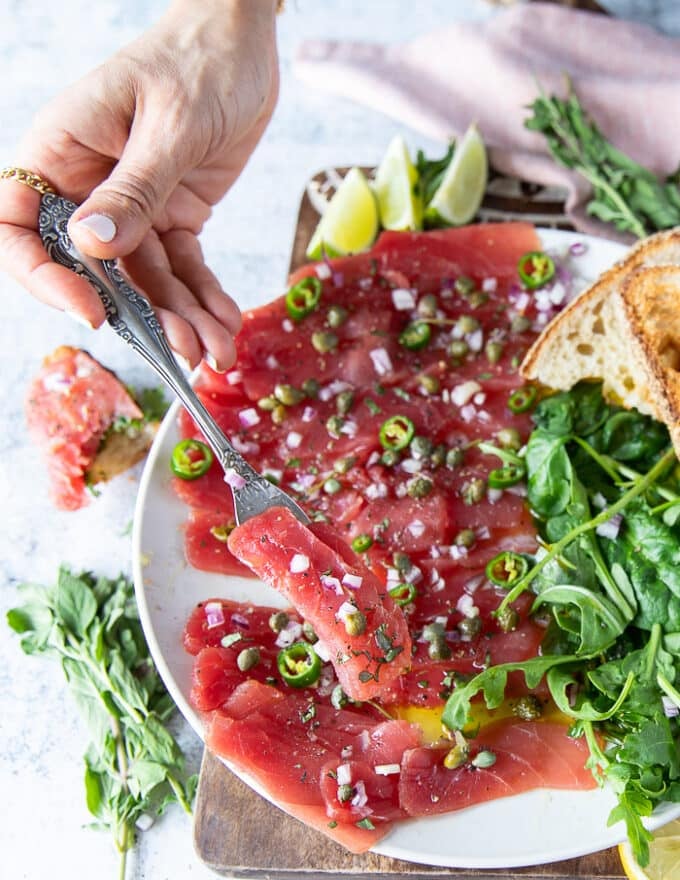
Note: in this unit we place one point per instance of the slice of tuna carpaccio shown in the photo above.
(364, 633)
(71, 404)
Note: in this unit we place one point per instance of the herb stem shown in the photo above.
(668, 689)
(637, 489)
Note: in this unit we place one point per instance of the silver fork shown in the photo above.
(132, 317)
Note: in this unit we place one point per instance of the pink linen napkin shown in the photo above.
(626, 75)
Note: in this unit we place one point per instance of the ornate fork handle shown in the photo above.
(132, 317)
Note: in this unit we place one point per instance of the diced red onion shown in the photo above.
(610, 529)
(322, 651)
(352, 581)
(293, 440)
(272, 362)
(287, 325)
(144, 821)
(373, 458)
(326, 681)
(333, 388)
(578, 248)
(57, 382)
(323, 271)
(475, 340)
(411, 465)
(376, 490)
(382, 362)
(471, 586)
(345, 611)
(365, 283)
(494, 495)
(214, 614)
(249, 417)
(558, 294)
(479, 398)
(468, 412)
(308, 414)
(386, 769)
(416, 528)
(299, 563)
(291, 632)
(489, 285)
(519, 489)
(464, 392)
(239, 620)
(364, 739)
(483, 533)
(338, 279)
(522, 302)
(393, 576)
(331, 583)
(245, 447)
(458, 551)
(233, 478)
(349, 428)
(346, 751)
(403, 299)
(466, 606)
(344, 774)
(360, 799)
(670, 708)
(233, 377)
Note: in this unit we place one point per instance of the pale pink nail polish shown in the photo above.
(101, 226)
(79, 318)
(211, 362)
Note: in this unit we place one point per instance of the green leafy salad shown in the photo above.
(604, 486)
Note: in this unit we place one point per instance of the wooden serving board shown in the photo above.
(238, 833)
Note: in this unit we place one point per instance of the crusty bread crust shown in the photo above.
(623, 330)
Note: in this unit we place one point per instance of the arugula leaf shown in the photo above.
(133, 765)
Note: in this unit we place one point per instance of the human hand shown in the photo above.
(147, 143)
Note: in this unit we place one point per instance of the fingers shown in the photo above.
(192, 329)
(23, 256)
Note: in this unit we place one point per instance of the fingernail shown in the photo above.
(101, 226)
(183, 362)
(79, 318)
(212, 363)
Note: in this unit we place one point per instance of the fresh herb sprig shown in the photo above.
(624, 192)
(603, 485)
(431, 172)
(133, 766)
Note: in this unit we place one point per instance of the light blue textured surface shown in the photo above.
(43, 46)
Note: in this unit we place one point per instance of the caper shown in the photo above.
(344, 401)
(470, 627)
(467, 324)
(248, 658)
(345, 793)
(221, 533)
(528, 708)
(278, 621)
(278, 414)
(519, 324)
(509, 438)
(454, 457)
(433, 631)
(474, 490)
(309, 633)
(334, 425)
(324, 342)
(507, 619)
(465, 538)
(438, 650)
(456, 757)
(477, 298)
(429, 384)
(458, 349)
(332, 486)
(355, 623)
(427, 307)
(420, 487)
(338, 697)
(288, 395)
(420, 447)
(464, 285)
(337, 315)
(390, 457)
(343, 465)
(267, 403)
(484, 759)
(493, 351)
(438, 455)
(402, 562)
(311, 387)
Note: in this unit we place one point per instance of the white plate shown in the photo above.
(527, 829)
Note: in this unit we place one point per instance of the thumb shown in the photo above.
(119, 213)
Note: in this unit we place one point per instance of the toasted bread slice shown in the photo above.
(121, 450)
(593, 338)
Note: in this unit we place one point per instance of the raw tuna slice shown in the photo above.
(71, 404)
(302, 753)
(363, 631)
(528, 755)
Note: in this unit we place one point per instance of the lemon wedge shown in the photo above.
(350, 222)
(664, 856)
(459, 195)
(396, 188)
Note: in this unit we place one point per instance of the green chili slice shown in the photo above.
(416, 335)
(505, 569)
(523, 399)
(303, 297)
(299, 665)
(362, 543)
(535, 269)
(403, 594)
(396, 433)
(190, 459)
(501, 478)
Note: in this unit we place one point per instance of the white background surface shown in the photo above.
(44, 46)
